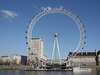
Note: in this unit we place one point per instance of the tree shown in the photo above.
(1, 62)
(14, 61)
(7, 62)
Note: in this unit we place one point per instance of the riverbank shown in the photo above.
(17, 67)
(23, 67)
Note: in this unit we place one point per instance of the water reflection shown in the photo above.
(98, 72)
(62, 73)
(10, 72)
(49, 73)
(94, 72)
(34, 72)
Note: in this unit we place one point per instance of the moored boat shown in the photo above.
(80, 69)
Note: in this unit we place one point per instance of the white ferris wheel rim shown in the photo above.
(61, 10)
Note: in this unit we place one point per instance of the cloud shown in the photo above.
(9, 14)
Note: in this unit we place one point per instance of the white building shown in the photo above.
(18, 59)
(5, 59)
(36, 50)
(14, 60)
(82, 59)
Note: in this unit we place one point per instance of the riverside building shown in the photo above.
(13, 59)
(18, 59)
(82, 59)
(35, 51)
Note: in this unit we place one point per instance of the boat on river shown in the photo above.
(80, 69)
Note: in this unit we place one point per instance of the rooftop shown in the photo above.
(83, 54)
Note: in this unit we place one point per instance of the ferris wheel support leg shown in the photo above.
(58, 51)
(53, 53)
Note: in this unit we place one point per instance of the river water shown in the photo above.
(9, 72)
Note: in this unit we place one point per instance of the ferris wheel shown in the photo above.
(60, 10)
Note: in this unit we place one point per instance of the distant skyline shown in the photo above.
(16, 14)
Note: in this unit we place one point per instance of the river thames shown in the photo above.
(10, 72)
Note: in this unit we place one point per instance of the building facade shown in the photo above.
(13, 60)
(35, 51)
(82, 59)
(18, 59)
(5, 60)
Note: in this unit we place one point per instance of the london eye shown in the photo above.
(60, 10)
